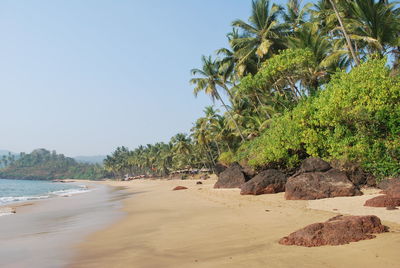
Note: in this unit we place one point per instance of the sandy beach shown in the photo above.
(204, 227)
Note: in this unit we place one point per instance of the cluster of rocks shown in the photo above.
(317, 179)
(314, 180)
(391, 198)
(339, 230)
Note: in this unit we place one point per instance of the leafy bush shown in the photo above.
(356, 118)
(226, 158)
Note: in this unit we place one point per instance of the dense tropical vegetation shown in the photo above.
(319, 79)
(45, 165)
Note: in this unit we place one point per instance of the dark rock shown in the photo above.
(199, 182)
(248, 171)
(393, 191)
(317, 185)
(314, 164)
(388, 183)
(177, 188)
(232, 177)
(219, 168)
(339, 230)
(391, 208)
(266, 182)
(355, 173)
(382, 201)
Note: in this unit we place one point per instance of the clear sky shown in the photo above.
(83, 77)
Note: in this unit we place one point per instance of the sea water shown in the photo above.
(12, 191)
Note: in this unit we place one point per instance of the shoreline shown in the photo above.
(43, 232)
(204, 227)
(9, 208)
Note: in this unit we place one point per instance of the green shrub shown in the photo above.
(226, 158)
(356, 118)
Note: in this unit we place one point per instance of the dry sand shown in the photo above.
(203, 227)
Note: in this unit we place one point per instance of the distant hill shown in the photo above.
(6, 152)
(6, 156)
(95, 159)
(42, 164)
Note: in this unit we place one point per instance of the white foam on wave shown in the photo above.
(64, 193)
(70, 192)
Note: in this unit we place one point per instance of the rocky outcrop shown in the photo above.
(317, 185)
(177, 188)
(355, 173)
(388, 183)
(383, 201)
(391, 199)
(232, 177)
(248, 171)
(219, 168)
(339, 230)
(314, 164)
(266, 182)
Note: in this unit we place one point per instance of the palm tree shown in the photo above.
(231, 63)
(326, 56)
(346, 36)
(377, 24)
(209, 82)
(294, 16)
(262, 36)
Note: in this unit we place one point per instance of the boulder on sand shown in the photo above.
(388, 183)
(266, 182)
(383, 201)
(314, 164)
(316, 179)
(317, 185)
(177, 188)
(219, 168)
(339, 230)
(232, 177)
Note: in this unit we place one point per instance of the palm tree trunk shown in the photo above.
(210, 154)
(219, 151)
(346, 36)
(227, 91)
(231, 116)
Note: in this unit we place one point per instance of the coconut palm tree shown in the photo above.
(295, 15)
(262, 35)
(375, 23)
(327, 57)
(344, 31)
(209, 82)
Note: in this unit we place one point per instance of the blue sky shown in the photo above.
(83, 77)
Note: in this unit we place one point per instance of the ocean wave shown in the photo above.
(64, 193)
(70, 192)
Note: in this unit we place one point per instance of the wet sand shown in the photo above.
(204, 227)
(41, 233)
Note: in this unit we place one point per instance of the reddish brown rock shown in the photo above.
(383, 201)
(317, 185)
(393, 191)
(219, 168)
(266, 182)
(388, 183)
(339, 230)
(232, 177)
(356, 174)
(248, 171)
(177, 188)
(314, 164)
